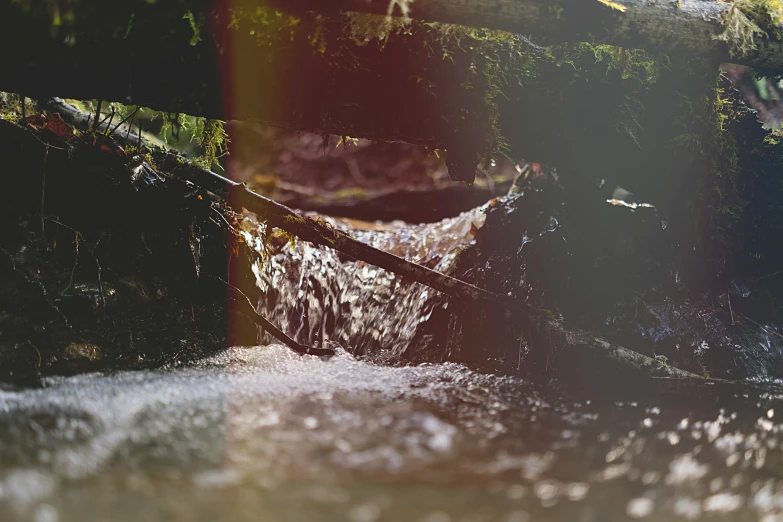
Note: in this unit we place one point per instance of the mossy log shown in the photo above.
(689, 27)
(476, 93)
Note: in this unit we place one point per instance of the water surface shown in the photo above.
(262, 434)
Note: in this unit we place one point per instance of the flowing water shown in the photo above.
(260, 434)
(311, 293)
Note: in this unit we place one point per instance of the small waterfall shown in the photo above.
(317, 297)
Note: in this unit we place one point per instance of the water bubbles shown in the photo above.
(547, 491)
(722, 503)
(577, 491)
(46, 513)
(687, 508)
(217, 479)
(24, 487)
(343, 445)
(684, 469)
(436, 516)
(640, 507)
(369, 512)
(732, 459)
(765, 424)
(534, 465)
(518, 516)
(516, 492)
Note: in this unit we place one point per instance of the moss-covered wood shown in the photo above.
(477, 93)
(697, 28)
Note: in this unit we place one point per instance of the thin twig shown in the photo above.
(97, 115)
(75, 261)
(94, 258)
(728, 298)
(108, 118)
(133, 112)
(43, 193)
(40, 359)
(45, 144)
(771, 332)
(274, 331)
(130, 125)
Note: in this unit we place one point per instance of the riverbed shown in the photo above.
(259, 433)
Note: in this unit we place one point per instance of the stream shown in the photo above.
(259, 433)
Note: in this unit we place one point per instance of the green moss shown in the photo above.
(213, 140)
(747, 21)
(195, 26)
(720, 202)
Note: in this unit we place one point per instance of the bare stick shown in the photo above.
(43, 192)
(771, 332)
(250, 310)
(97, 115)
(108, 118)
(133, 113)
(731, 312)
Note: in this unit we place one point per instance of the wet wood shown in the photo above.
(582, 352)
